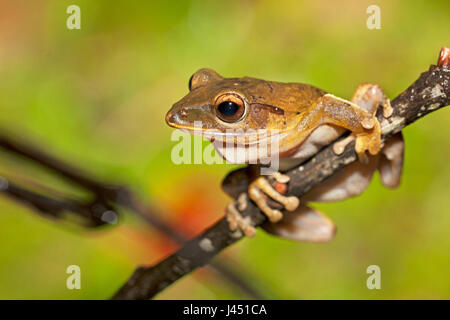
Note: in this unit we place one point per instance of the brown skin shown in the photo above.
(289, 112)
(291, 108)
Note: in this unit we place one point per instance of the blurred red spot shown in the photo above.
(197, 205)
(280, 187)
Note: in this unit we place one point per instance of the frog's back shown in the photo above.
(288, 96)
(299, 95)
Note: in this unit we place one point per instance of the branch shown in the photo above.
(223, 268)
(91, 214)
(102, 209)
(429, 93)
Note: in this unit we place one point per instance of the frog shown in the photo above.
(299, 119)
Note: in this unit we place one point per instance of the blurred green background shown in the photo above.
(97, 97)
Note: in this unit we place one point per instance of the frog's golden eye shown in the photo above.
(230, 108)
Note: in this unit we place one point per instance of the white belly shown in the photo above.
(322, 136)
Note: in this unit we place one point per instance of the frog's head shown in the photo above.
(219, 108)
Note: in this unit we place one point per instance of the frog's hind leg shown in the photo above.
(391, 161)
(370, 96)
(349, 182)
(303, 224)
(355, 178)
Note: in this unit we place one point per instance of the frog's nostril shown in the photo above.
(176, 116)
(170, 119)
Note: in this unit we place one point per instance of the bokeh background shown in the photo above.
(97, 97)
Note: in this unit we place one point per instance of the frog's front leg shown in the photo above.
(369, 97)
(363, 123)
(258, 191)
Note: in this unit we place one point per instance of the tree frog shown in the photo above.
(301, 119)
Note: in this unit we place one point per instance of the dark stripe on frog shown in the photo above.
(269, 107)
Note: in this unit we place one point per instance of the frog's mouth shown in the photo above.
(240, 137)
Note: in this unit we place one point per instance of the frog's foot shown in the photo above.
(369, 140)
(260, 188)
(365, 141)
(339, 147)
(370, 96)
(279, 177)
(236, 220)
(387, 108)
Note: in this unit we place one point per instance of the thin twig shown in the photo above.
(92, 213)
(220, 266)
(101, 210)
(429, 93)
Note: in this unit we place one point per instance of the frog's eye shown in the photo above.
(230, 108)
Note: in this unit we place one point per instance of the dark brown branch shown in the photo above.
(71, 174)
(429, 93)
(91, 214)
(220, 266)
(106, 198)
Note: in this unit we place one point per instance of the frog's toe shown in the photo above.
(370, 96)
(387, 108)
(363, 157)
(374, 145)
(361, 145)
(290, 203)
(258, 192)
(236, 220)
(368, 141)
(281, 178)
(339, 147)
(368, 123)
(260, 199)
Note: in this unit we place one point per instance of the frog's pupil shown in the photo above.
(228, 108)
